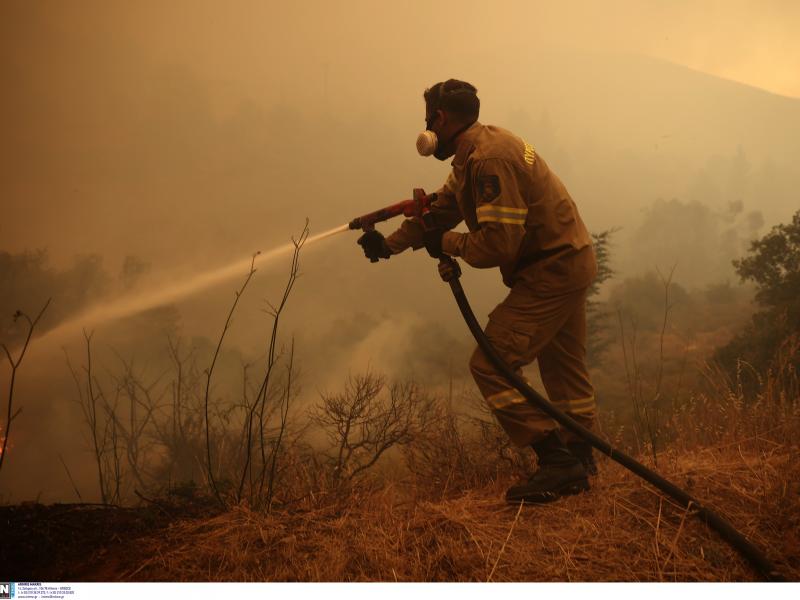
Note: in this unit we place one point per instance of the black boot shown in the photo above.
(560, 474)
(583, 450)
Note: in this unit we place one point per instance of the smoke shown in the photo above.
(144, 144)
(168, 293)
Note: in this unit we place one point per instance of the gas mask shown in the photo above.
(428, 142)
(462, 99)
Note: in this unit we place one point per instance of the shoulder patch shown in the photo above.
(530, 153)
(488, 187)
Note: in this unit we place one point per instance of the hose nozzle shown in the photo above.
(415, 207)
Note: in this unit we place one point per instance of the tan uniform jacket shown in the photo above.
(519, 215)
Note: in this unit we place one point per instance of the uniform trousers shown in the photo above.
(552, 330)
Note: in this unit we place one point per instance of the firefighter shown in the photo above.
(521, 219)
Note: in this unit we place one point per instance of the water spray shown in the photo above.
(417, 206)
(162, 295)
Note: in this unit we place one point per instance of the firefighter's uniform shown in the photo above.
(522, 219)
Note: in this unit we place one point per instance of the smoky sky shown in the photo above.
(119, 118)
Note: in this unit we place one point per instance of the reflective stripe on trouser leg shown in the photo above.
(583, 410)
(581, 406)
(522, 422)
(517, 417)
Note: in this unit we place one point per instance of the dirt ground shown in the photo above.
(80, 542)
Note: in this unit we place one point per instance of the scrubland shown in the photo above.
(408, 489)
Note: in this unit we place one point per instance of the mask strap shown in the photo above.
(459, 132)
(462, 130)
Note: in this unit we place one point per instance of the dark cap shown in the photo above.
(453, 96)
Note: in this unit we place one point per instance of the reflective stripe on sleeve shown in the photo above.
(501, 214)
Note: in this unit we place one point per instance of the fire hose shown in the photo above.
(419, 207)
(727, 531)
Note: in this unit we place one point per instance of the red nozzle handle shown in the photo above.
(418, 206)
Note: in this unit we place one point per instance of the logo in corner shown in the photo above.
(7, 590)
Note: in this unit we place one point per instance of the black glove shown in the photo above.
(374, 245)
(449, 269)
(433, 241)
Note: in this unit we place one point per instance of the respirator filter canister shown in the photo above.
(427, 143)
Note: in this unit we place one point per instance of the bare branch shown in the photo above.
(10, 414)
(258, 408)
(210, 372)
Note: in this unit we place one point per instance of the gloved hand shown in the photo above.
(449, 269)
(374, 245)
(433, 241)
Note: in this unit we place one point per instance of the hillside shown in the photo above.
(620, 531)
(622, 130)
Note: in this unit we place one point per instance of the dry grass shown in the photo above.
(620, 531)
(437, 512)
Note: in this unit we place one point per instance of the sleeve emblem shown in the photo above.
(488, 187)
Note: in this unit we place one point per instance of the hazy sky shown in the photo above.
(94, 89)
(251, 44)
(753, 42)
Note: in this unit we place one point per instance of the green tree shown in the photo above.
(598, 316)
(773, 264)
